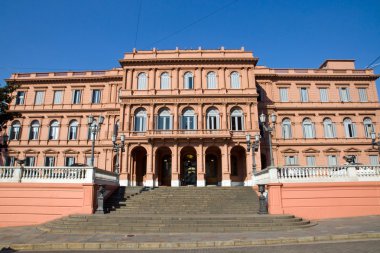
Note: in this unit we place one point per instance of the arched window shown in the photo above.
(165, 81)
(329, 128)
(308, 128)
(142, 81)
(140, 120)
(368, 127)
(237, 120)
(211, 80)
(34, 130)
(15, 130)
(286, 129)
(54, 130)
(188, 121)
(349, 128)
(212, 119)
(235, 80)
(188, 81)
(164, 120)
(73, 130)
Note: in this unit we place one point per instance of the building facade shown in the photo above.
(186, 113)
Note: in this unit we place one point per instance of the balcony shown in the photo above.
(186, 134)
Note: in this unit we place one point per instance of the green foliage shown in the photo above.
(6, 99)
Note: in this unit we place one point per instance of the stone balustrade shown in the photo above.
(58, 175)
(318, 174)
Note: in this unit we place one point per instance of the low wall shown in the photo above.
(35, 203)
(324, 200)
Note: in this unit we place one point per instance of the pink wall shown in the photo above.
(28, 204)
(325, 200)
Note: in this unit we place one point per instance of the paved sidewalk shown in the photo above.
(31, 238)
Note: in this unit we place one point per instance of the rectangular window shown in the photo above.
(20, 98)
(324, 94)
(212, 122)
(49, 161)
(363, 95)
(284, 95)
(88, 160)
(237, 123)
(76, 97)
(188, 122)
(39, 99)
(69, 160)
(96, 96)
(332, 160)
(374, 160)
(310, 160)
(140, 125)
(304, 95)
(291, 160)
(30, 161)
(10, 161)
(344, 94)
(164, 122)
(58, 94)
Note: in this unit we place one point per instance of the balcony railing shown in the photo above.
(187, 133)
(57, 175)
(316, 174)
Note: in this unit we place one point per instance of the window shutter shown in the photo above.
(353, 129)
(195, 122)
(180, 122)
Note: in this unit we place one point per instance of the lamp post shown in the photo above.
(268, 128)
(374, 142)
(94, 128)
(116, 148)
(254, 146)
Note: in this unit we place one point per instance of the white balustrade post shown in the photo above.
(352, 174)
(17, 174)
(90, 175)
(273, 176)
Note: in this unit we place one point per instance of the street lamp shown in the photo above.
(116, 148)
(94, 128)
(254, 146)
(268, 128)
(374, 142)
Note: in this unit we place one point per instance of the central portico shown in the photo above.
(185, 115)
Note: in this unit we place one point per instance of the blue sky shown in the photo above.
(59, 35)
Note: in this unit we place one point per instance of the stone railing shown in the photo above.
(58, 175)
(298, 174)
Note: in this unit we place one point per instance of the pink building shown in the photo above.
(186, 113)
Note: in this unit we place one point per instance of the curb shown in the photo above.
(187, 245)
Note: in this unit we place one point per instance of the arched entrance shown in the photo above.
(238, 165)
(213, 166)
(188, 166)
(164, 166)
(139, 164)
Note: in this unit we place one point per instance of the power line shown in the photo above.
(372, 64)
(195, 22)
(138, 23)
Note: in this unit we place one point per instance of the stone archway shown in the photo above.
(188, 166)
(238, 165)
(213, 164)
(139, 155)
(163, 166)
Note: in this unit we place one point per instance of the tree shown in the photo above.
(6, 98)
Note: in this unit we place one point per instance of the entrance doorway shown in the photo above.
(213, 166)
(188, 166)
(139, 164)
(238, 165)
(164, 166)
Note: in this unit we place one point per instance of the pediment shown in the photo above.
(310, 150)
(352, 150)
(31, 151)
(70, 151)
(331, 150)
(289, 150)
(51, 151)
(88, 152)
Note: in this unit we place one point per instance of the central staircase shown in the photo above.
(178, 210)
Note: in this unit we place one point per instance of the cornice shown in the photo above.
(64, 80)
(280, 77)
(187, 61)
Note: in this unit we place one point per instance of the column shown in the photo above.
(200, 117)
(175, 117)
(244, 78)
(200, 168)
(175, 80)
(124, 168)
(221, 78)
(129, 77)
(249, 118)
(151, 80)
(151, 118)
(175, 174)
(226, 174)
(199, 77)
(149, 167)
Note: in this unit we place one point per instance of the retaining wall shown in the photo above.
(325, 200)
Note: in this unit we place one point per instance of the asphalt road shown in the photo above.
(372, 246)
